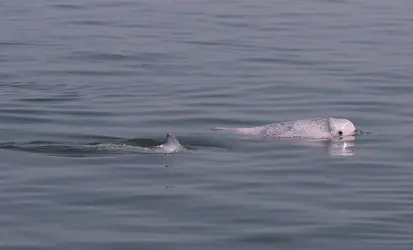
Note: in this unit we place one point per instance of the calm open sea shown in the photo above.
(74, 74)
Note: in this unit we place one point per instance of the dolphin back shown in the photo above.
(308, 128)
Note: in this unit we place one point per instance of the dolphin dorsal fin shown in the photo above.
(171, 140)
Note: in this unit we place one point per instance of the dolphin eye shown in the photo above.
(340, 132)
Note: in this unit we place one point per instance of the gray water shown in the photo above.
(84, 72)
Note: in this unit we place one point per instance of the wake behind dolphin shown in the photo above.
(314, 128)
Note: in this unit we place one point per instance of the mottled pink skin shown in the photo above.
(316, 128)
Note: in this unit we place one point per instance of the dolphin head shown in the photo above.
(341, 127)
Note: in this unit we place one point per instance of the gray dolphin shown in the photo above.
(169, 146)
(313, 128)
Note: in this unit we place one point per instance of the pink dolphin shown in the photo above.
(314, 128)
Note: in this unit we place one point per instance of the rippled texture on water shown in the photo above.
(78, 73)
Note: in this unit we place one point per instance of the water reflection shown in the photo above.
(343, 146)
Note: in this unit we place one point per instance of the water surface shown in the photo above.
(95, 71)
